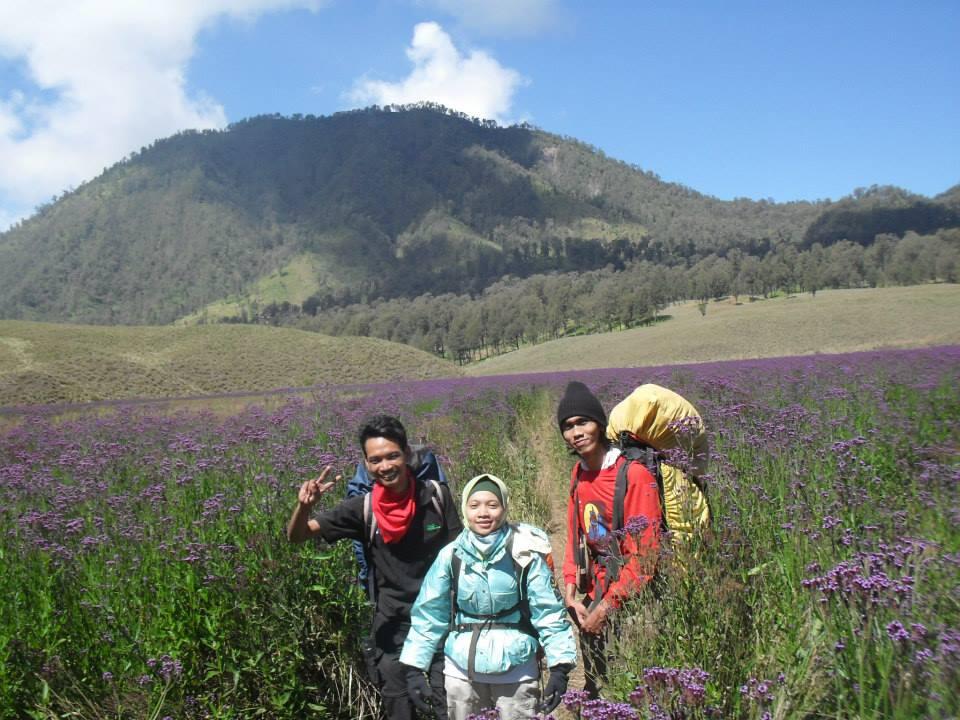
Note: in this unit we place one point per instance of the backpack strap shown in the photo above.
(369, 518)
(646, 455)
(577, 469)
(455, 565)
(612, 560)
(619, 496)
(438, 499)
(637, 451)
(580, 551)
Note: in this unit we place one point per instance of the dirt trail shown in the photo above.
(551, 486)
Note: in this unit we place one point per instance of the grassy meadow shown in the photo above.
(833, 321)
(42, 363)
(145, 573)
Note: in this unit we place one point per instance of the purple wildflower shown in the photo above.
(897, 632)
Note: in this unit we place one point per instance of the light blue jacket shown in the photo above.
(487, 586)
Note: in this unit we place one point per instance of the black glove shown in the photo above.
(555, 688)
(418, 688)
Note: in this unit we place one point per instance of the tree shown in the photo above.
(808, 272)
(751, 275)
(844, 265)
(877, 258)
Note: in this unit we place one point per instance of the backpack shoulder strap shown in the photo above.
(620, 495)
(369, 518)
(438, 499)
(580, 555)
(575, 480)
(455, 564)
(648, 456)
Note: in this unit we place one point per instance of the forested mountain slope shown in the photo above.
(321, 212)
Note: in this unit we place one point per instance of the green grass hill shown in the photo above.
(44, 363)
(833, 321)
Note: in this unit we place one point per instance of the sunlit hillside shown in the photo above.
(47, 363)
(833, 321)
(44, 363)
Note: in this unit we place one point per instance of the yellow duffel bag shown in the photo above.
(655, 417)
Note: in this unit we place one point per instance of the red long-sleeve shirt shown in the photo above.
(595, 492)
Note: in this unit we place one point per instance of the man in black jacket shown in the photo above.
(413, 520)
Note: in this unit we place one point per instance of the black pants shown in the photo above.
(594, 650)
(392, 681)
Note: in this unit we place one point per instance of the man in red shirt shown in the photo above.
(607, 566)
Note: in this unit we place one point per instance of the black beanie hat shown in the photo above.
(578, 400)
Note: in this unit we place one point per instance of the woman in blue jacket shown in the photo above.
(492, 595)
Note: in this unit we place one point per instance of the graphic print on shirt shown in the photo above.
(594, 524)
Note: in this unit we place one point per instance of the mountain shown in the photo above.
(378, 203)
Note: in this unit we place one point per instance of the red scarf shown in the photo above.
(394, 513)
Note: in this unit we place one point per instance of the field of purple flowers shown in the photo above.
(144, 571)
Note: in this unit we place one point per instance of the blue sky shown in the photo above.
(782, 100)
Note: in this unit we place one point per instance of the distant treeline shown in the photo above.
(518, 311)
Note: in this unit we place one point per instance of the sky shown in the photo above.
(776, 99)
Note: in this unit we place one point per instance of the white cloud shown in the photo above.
(475, 84)
(501, 17)
(111, 74)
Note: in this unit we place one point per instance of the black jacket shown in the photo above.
(399, 568)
